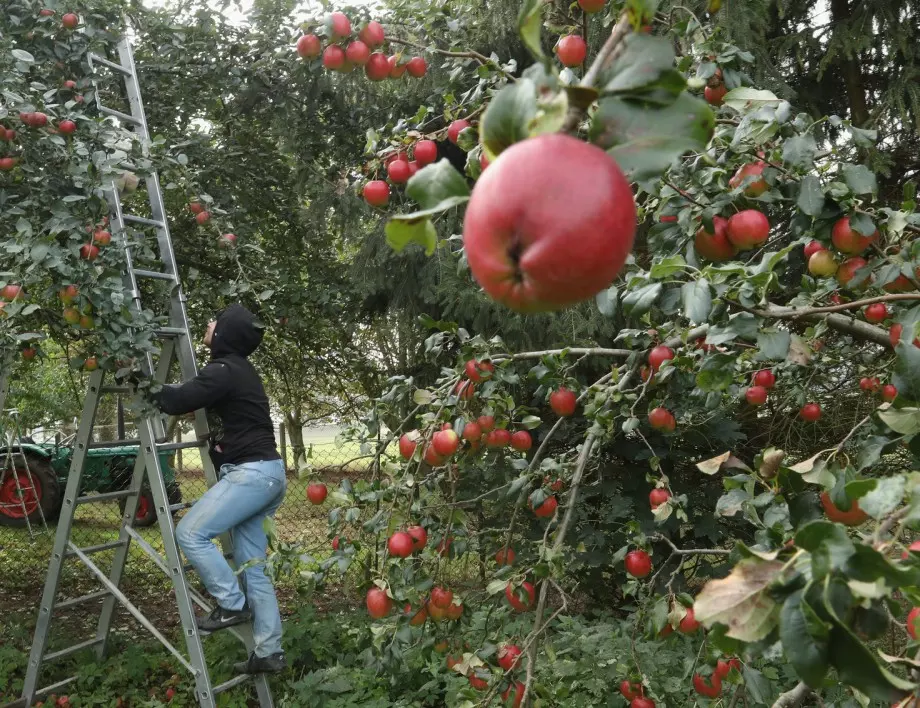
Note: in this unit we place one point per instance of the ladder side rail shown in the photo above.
(62, 537)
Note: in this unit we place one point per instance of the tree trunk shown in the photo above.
(293, 421)
(850, 68)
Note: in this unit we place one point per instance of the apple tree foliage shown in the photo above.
(816, 480)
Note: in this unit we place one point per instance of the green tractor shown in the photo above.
(36, 492)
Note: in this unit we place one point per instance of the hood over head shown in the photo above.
(237, 332)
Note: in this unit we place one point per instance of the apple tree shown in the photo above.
(762, 385)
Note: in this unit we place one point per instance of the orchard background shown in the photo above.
(647, 417)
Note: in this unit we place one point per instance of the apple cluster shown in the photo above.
(343, 53)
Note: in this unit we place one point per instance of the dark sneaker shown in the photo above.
(262, 664)
(221, 619)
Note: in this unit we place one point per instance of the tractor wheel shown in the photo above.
(146, 511)
(28, 494)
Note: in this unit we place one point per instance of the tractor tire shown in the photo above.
(146, 511)
(27, 495)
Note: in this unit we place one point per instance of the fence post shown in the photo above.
(179, 460)
(282, 430)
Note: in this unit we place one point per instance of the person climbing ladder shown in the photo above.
(251, 485)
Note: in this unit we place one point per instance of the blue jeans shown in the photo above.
(245, 495)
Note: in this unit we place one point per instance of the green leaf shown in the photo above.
(667, 267)
(741, 601)
(857, 666)
(800, 150)
(907, 369)
(884, 498)
(774, 343)
(437, 184)
(868, 565)
(530, 422)
(22, 55)
(697, 300)
(828, 543)
(607, 301)
(757, 685)
(859, 178)
(530, 20)
(637, 302)
(862, 223)
(744, 99)
(804, 637)
(508, 118)
(645, 140)
(811, 196)
(732, 502)
(401, 231)
(902, 420)
(646, 64)
(496, 586)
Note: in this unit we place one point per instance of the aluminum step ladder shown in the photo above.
(176, 344)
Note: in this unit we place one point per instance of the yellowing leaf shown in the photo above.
(740, 601)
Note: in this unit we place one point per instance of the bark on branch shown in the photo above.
(794, 697)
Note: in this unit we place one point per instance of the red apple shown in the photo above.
(379, 603)
(203, 217)
(71, 315)
(478, 371)
(849, 241)
(544, 194)
(455, 128)
(372, 34)
(67, 127)
(765, 378)
(756, 395)
(747, 229)
(70, 20)
(521, 441)
(846, 273)
(889, 392)
(486, 423)
(563, 402)
(662, 419)
(498, 438)
(876, 312)
(400, 544)
(509, 656)
(472, 432)
(377, 193)
(358, 52)
(505, 556)
(396, 69)
(426, 152)
(7, 163)
(445, 442)
(810, 412)
(333, 57)
(714, 246)
(757, 186)
(89, 252)
(812, 247)
(398, 172)
(592, 5)
(68, 294)
(102, 238)
(638, 563)
(440, 597)
(408, 443)
(869, 384)
(227, 241)
(688, 624)
(417, 67)
(572, 50)
(91, 364)
(521, 598)
(316, 492)
(912, 626)
(339, 25)
(714, 95)
(547, 508)
(196, 207)
(894, 336)
(308, 46)
(419, 537)
(377, 67)
(658, 496)
(10, 292)
(658, 356)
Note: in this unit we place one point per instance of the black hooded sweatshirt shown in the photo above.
(232, 393)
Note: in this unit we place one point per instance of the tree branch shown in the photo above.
(793, 697)
(842, 323)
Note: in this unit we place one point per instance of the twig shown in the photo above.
(792, 312)
(793, 697)
(842, 323)
(675, 551)
(574, 351)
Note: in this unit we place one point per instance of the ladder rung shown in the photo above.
(170, 332)
(114, 443)
(166, 447)
(184, 505)
(99, 547)
(106, 496)
(111, 64)
(155, 274)
(72, 649)
(98, 595)
(116, 389)
(118, 114)
(144, 221)
(43, 692)
(232, 683)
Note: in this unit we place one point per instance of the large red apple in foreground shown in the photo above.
(549, 225)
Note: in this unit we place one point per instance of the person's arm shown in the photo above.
(206, 389)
